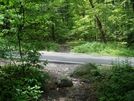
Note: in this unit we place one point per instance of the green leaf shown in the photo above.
(4, 1)
(11, 3)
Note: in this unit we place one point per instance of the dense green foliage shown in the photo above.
(64, 20)
(22, 81)
(16, 86)
(27, 26)
(112, 83)
(116, 84)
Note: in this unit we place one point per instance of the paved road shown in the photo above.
(58, 57)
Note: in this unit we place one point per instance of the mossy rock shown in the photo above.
(64, 81)
(82, 70)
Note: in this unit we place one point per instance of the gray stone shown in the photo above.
(83, 70)
(64, 81)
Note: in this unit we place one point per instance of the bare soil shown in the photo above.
(64, 48)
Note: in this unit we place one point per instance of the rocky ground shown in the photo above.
(81, 90)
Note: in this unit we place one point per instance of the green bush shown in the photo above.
(119, 84)
(16, 86)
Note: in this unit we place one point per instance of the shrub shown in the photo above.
(16, 86)
(119, 86)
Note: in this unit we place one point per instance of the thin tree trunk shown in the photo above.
(20, 28)
(52, 30)
(102, 32)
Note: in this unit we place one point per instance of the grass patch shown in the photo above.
(97, 48)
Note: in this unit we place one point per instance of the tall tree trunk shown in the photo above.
(52, 30)
(102, 32)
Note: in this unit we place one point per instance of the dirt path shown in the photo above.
(64, 48)
(80, 91)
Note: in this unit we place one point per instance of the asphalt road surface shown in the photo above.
(57, 57)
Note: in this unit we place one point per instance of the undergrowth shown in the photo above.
(115, 84)
(18, 86)
(98, 48)
(47, 46)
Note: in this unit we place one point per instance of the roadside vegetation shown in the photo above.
(47, 46)
(98, 48)
(93, 48)
(109, 83)
(116, 84)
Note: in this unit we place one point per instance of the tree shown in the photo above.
(19, 32)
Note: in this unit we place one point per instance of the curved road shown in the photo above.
(58, 57)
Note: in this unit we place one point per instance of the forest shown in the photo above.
(102, 27)
(43, 25)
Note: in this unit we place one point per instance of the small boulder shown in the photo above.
(64, 81)
(83, 70)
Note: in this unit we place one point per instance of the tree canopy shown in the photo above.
(62, 20)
